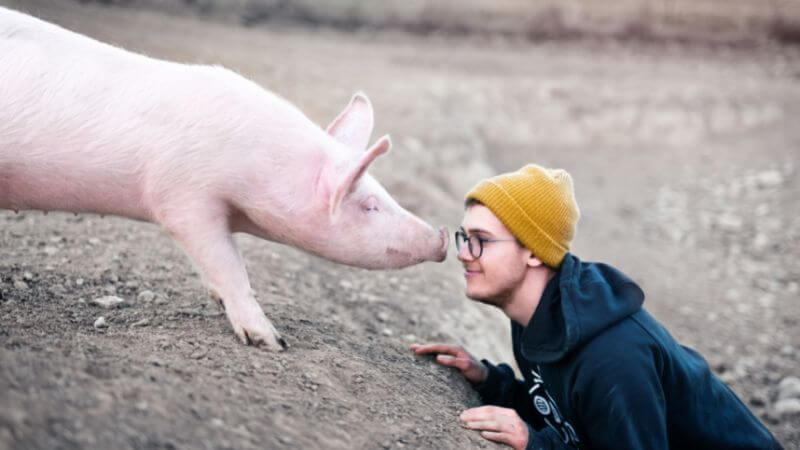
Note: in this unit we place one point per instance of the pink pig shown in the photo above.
(200, 150)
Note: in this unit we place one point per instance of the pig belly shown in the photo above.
(32, 185)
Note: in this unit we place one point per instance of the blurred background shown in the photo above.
(677, 119)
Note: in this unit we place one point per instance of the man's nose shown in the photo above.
(464, 254)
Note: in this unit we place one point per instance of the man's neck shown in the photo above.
(526, 297)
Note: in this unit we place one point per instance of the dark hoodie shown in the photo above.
(601, 373)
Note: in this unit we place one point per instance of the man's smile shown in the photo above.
(469, 273)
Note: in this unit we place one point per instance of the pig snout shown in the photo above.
(433, 247)
(444, 236)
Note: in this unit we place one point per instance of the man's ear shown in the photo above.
(534, 262)
(353, 126)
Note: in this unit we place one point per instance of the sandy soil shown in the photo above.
(685, 159)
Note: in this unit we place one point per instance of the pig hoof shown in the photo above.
(271, 341)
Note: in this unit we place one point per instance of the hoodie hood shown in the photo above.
(582, 300)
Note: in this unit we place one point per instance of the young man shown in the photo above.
(599, 371)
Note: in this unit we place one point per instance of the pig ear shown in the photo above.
(353, 126)
(354, 174)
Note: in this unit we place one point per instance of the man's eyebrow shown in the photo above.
(476, 230)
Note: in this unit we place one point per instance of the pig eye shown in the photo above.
(370, 204)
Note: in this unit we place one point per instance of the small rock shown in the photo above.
(387, 332)
(383, 316)
(50, 250)
(21, 285)
(787, 407)
(760, 242)
(345, 284)
(27, 276)
(108, 301)
(94, 241)
(141, 323)
(79, 282)
(787, 350)
(146, 296)
(789, 387)
(766, 300)
(730, 222)
(770, 178)
(100, 323)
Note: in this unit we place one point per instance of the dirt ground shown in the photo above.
(685, 159)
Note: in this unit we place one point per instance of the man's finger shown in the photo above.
(479, 413)
(424, 349)
(503, 438)
(452, 361)
(485, 425)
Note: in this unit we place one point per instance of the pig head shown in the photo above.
(342, 213)
(200, 150)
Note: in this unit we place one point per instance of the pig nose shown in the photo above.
(444, 235)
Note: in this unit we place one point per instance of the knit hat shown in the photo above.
(537, 205)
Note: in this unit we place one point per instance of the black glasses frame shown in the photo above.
(474, 242)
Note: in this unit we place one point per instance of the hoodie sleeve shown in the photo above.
(502, 388)
(620, 401)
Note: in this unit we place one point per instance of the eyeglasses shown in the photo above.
(474, 242)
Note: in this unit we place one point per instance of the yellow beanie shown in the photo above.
(537, 205)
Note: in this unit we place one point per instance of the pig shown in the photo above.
(88, 127)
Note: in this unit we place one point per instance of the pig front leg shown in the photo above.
(209, 244)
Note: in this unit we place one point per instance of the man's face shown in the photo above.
(501, 268)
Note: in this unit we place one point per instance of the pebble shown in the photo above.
(383, 316)
(27, 276)
(79, 282)
(387, 332)
(787, 407)
(21, 285)
(100, 323)
(770, 178)
(729, 222)
(146, 296)
(345, 284)
(788, 388)
(766, 300)
(141, 323)
(108, 301)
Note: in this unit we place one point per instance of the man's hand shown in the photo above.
(455, 356)
(497, 424)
